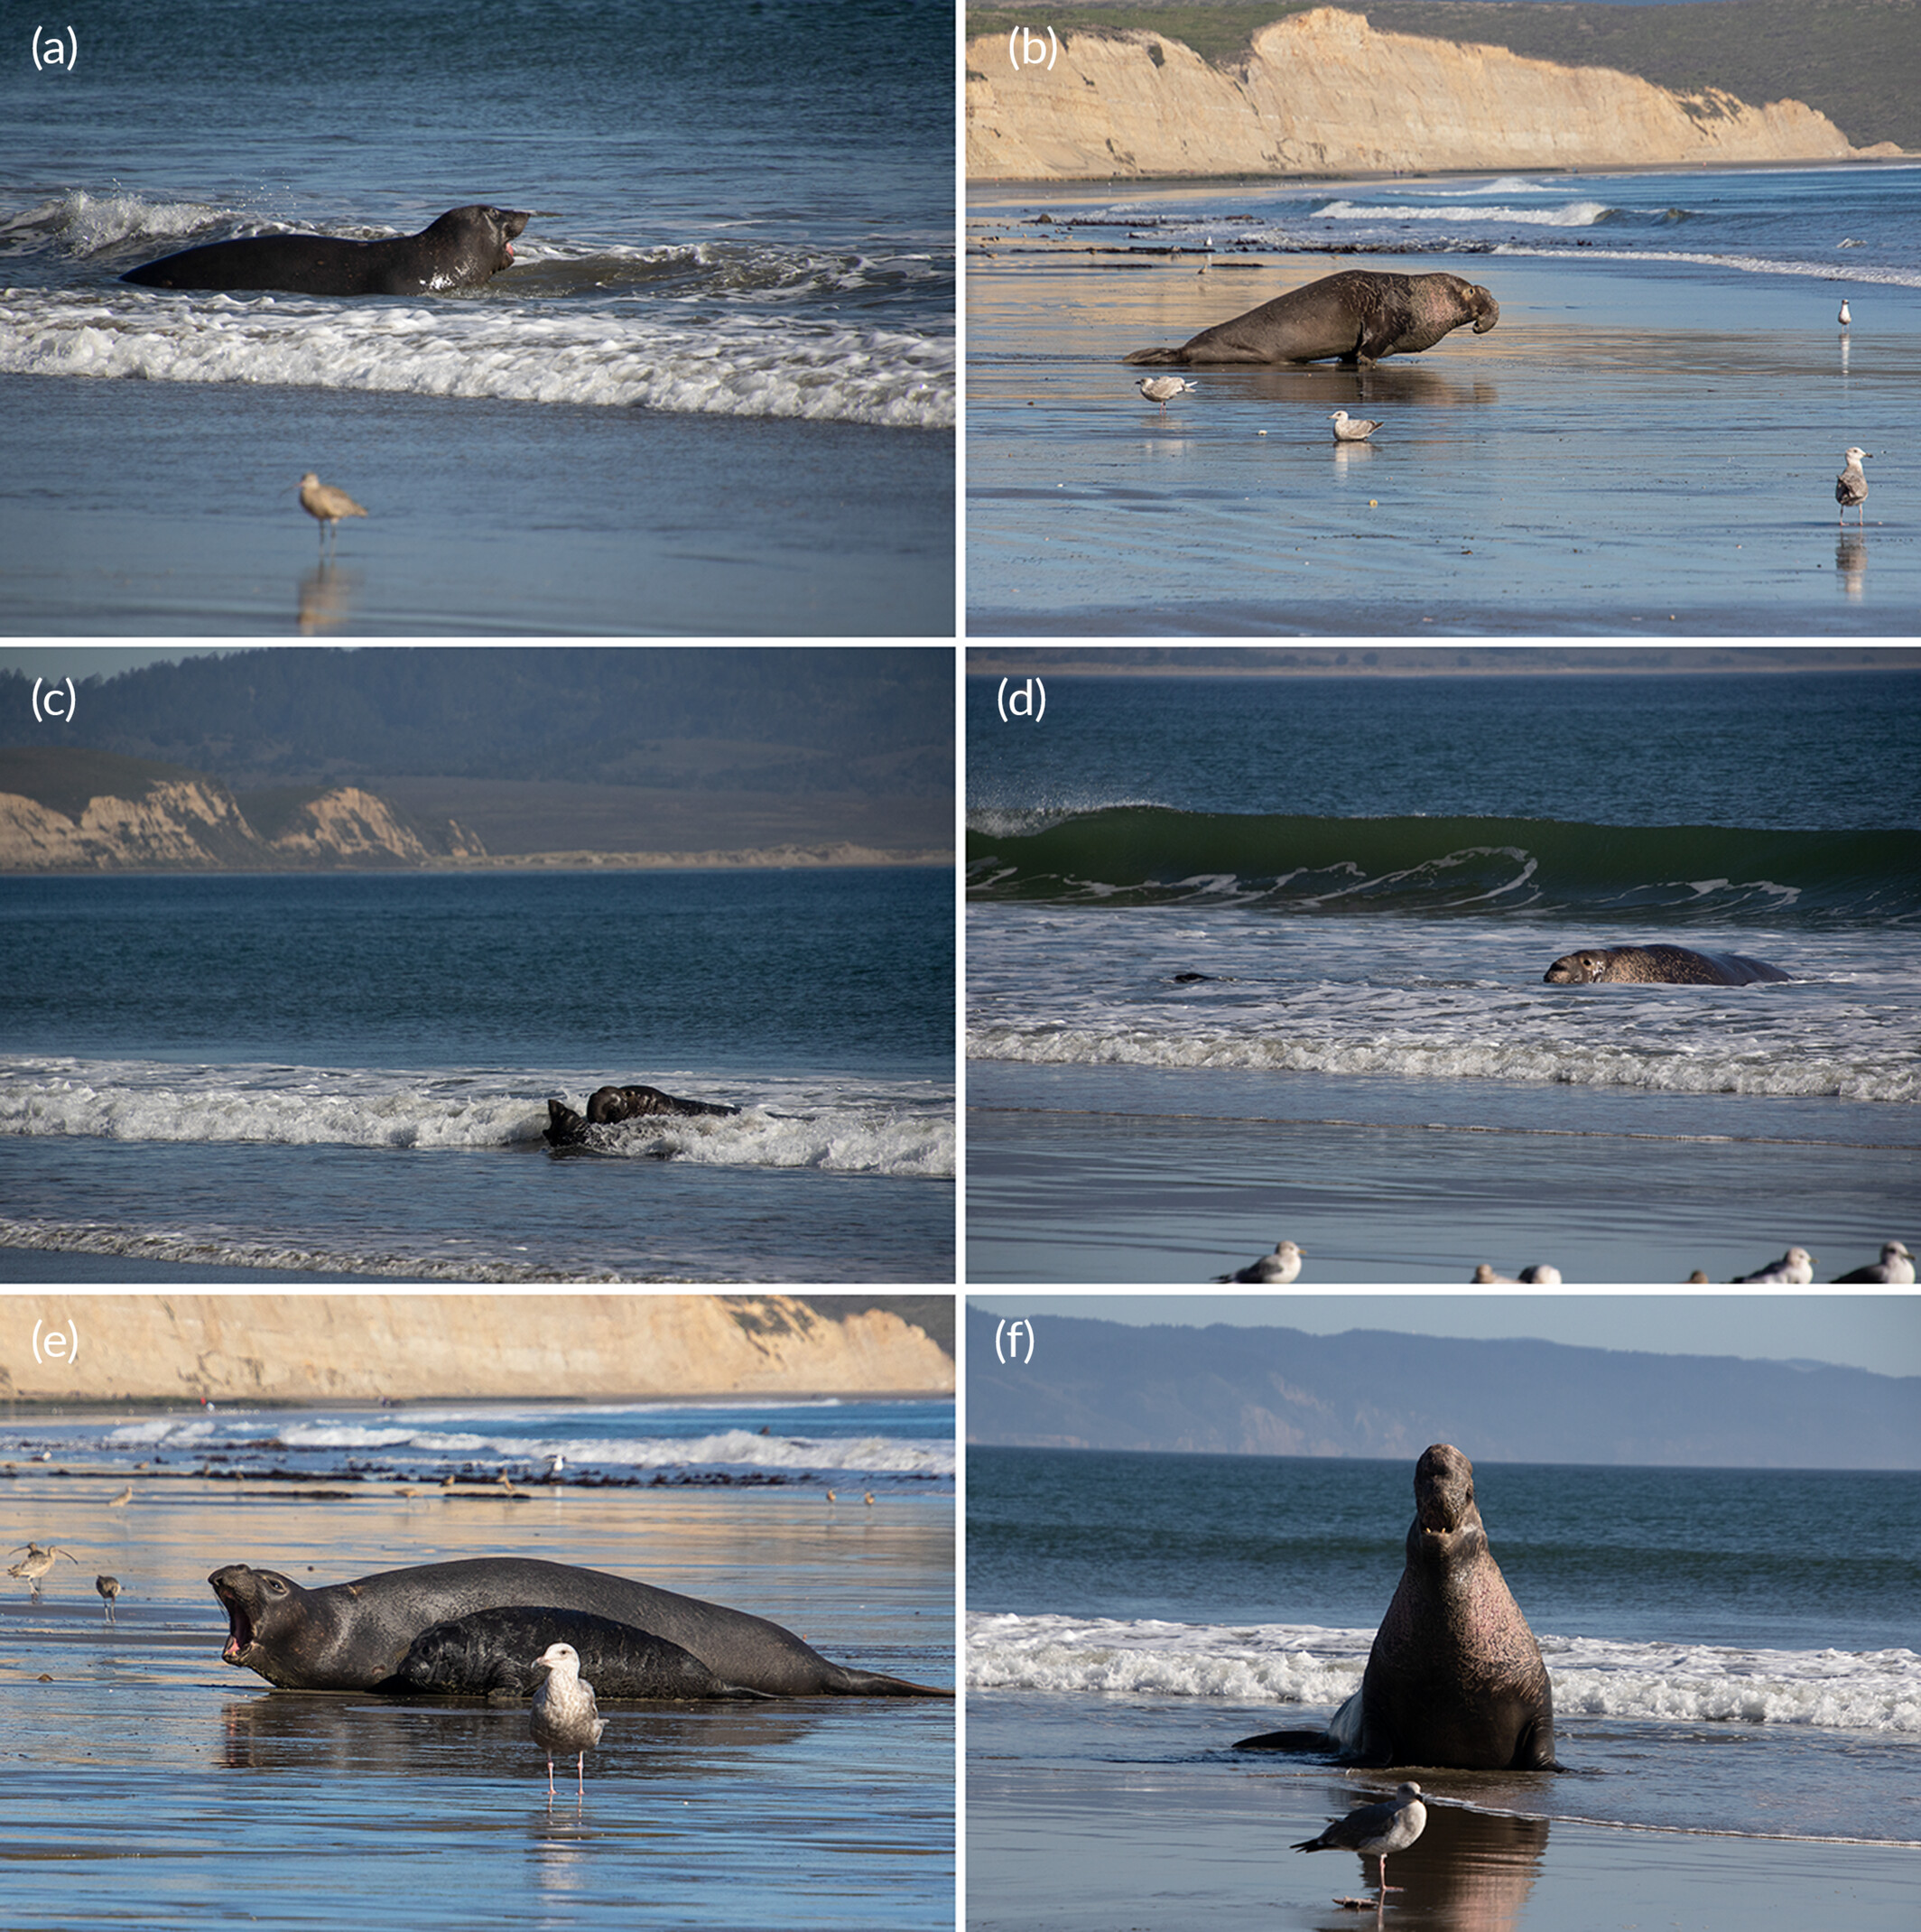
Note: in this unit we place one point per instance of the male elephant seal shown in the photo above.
(1358, 316)
(461, 250)
(1658, 965)
(608, 1106)
(1455, 1676)
(357, 1636)
(494, 1653)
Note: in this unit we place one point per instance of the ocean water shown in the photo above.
(163, 1787)
(1733, 1655)
(350, 1074)
(727, 343)
(1648, 438)
(1370, 878)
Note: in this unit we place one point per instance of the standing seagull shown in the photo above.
(1851, 487)
(1160, 388)
(326, 502)
(1351, 429)
(109, 1588)
(36, 1563)
(1390, 1826)
(1844, 318)
(565, 1717)
(1282, 1266)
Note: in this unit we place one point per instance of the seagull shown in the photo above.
(1896, 1266)
(1851, 487)
(564, 1716)
(1282, 1266)
(330, 504)
(1797, 1265)
(1390, 1826)
(122, 1500)
(1160, 388)
(1351, 429)
(109, 1588)
(1844, 318)
(1543, 1275)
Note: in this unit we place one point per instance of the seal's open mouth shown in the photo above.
(239, 1628)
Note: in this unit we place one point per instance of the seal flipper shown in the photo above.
(1342, 1734)
(850, 1683)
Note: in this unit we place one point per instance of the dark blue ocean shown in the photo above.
(350, 1074)
(1363, 880)
(714, 393)
(1732, 1654)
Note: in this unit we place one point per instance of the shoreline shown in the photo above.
(1569, 171)
(851, 858)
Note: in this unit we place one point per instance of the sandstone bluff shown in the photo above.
(1308, 100)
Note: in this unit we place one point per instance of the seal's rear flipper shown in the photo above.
(1157, 358)
(849, 1683)
(1287, 1741)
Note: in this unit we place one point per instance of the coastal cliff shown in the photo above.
(1323, 93)
(65, 810)
(347, 1348)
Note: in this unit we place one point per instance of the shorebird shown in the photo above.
(1351, 429)
(109, 1588)
(1281, 1267)
(36, 1563)
(564, 1716)
(1374, 1830)
(1851, 487)
(122, 1500)
(1844, 318)
(326, 502)
(1162, 389)
(1797, 1265)
(1895, 1264)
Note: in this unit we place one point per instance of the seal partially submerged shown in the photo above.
(1657, 965)
(608, 1106)
(1455, 1676)
(464, 248)
(1358, 317)
(357, 1636)
(491, 1654)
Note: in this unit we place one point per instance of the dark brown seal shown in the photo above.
(357, 1636)
(464, 248)
(1455, 1676)
(493, 1654)
(1358, 316)
(1657, 966)
(609, 1106)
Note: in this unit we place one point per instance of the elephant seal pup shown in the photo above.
(355, 1636)
(1455, 1676)
(1657, 965)
(492, 1654)
(609, 1106)
(463, 249)
(1358, 317)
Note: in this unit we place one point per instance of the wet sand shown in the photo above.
(1166, 1847)
(153, 1784)
(1637, 450)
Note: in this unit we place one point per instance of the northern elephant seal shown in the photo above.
(609, 1106)
(1358, 316)
(464, 248)
(355, 1636)
(1657, 966)
(492, 1653)
(1455, 1676)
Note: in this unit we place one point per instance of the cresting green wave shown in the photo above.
(1147, 855)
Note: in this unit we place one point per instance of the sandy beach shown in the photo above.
(1643, 446)
(154, 1785)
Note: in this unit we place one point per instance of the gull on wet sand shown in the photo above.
(1162, 388)
(1844, 318)
(1851, 487)
(1797, 1265)
(1282, 1266)
(1895, 1268)
(565, 1717)
(326, 502)
(109, 1588)
(1374, 1830)
(1351, 429)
